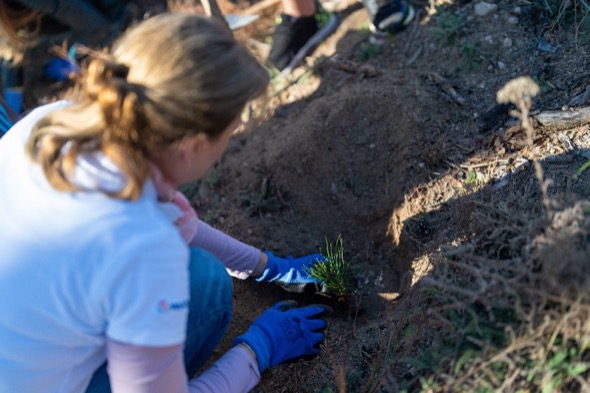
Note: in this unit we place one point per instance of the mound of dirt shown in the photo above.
(397, 146)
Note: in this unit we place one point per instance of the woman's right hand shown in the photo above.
(285, 332)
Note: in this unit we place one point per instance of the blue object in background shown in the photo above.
(60, 69)
(5, 122)
(14, 98)
(12, 92)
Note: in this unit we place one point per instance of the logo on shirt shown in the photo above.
(164, 306)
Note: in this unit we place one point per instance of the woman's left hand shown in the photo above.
(291, 273)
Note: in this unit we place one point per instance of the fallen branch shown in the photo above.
(446, 86)
(553, 121)
(563, 120)
(365, 70)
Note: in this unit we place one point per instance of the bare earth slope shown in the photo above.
(401, 149)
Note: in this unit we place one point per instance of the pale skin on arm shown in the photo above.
(141, 369)
(261, 265)
(128, 366)
(299, 8)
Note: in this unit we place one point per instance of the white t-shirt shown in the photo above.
(76, 268)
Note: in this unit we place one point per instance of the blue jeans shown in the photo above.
(210, 310)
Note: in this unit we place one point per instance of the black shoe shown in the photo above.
(294, 38)
(391, 17)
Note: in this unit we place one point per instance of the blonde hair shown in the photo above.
(171, 76)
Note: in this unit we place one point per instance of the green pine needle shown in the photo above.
(335, 271)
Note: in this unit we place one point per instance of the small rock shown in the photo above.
(372, 146)
(501, 65)
(507, 43)
(334, 188)
(517, 10)
(489, 39)
(377, 40)
(581, 99)
(484, 9)
(545, 46)
(203, 191)
(512, 20)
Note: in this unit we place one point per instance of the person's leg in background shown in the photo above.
(389, 16)
(210, 311)
(304, 24)
(299, 8)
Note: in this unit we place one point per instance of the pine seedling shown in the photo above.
(335, 272)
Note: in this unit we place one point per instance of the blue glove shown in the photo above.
(60, 69)
(284, 332)
(291, 273)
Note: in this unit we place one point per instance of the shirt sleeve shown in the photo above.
(234, 372)
(136, 369)
(239, 259)
(147, 302)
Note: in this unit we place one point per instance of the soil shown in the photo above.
(393, 144)
(379, 151)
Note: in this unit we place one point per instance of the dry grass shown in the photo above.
(509, 308)
(517, 323)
